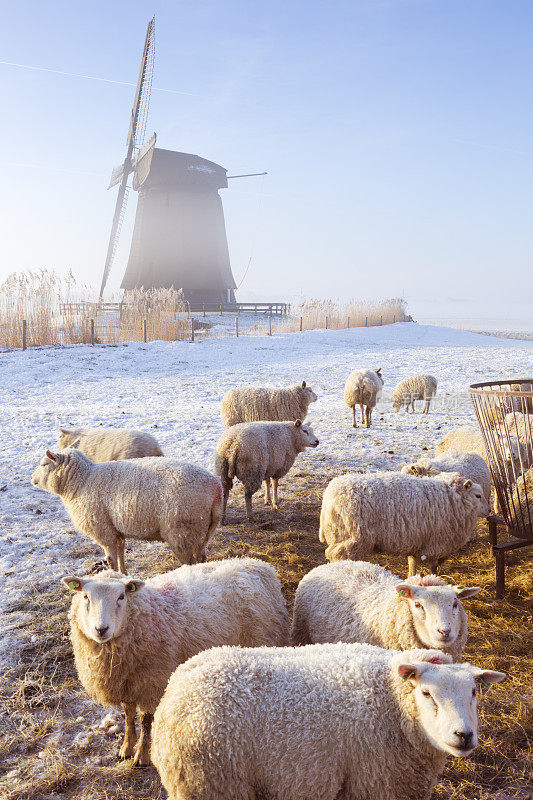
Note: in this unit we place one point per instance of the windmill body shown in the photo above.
(179, 237)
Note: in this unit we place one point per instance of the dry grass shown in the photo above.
(318, 314)
(41, 702)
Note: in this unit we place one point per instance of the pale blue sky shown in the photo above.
(397, 135)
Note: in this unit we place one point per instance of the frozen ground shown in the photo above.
(174, 390)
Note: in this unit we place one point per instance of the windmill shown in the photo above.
(179, 237)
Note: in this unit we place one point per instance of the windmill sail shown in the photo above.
(137, 128)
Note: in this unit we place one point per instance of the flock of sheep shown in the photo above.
(364, 695)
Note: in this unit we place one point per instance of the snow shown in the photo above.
(174, 389)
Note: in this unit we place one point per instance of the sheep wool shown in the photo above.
(355, 601)
(256, 403)
(109, 444)
(363, 388)
(387, 512)
(129, 636)
(256, 452)
(416, 387)
(322, 721)
(152, 499)
(471, 465)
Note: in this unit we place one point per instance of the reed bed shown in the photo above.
(318, 314)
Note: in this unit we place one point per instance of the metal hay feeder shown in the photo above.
(504, 410)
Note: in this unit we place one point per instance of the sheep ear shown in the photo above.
(486, 677)
(55, 457)
(304, 384)
(378, 371)
(64, 431)
(466, 591)
(413, 469)
(405, 590)
(133, 585)
(73, 583)
(75, 445)
(410, 672)
(298, 423)
(467, 484)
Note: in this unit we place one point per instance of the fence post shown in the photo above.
(192, 329)
(270, 324)
(221, 309)
(394, 320)
(381, 320)
(24, 334)
(144, 331)
(236, 326)
(348, 322)
(203, 308)
(301, 324)
(366, 322)
(92, 331)
(326, 323)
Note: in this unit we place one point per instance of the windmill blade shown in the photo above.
(139, 115)
(118, 219)
(139, 112)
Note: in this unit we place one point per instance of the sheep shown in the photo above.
(255, 452)
(154, 499)
(257, 403)
(422, 518)
(417, 387)
(471, 465)
(363, 388)
(128, 636)
(325, 721)
(355, 601)
(521, 501)
(110, 444)
(520, 425)
(470, 439)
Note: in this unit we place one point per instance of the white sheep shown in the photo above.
(355, 601)
(416, 387)
(153, 499)
(471, 465)
(521, 426)
(520, 505)
(387, 512)
(255, 452)
(256, 403)
(128, 635)
(363, 388)
(324, 721)
(470, 439)
(110, 444)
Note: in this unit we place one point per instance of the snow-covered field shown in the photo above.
(174, 390)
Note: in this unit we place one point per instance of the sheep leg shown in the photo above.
(248, 498)
(142, 751)
(361, 406)
(426, 407)
(120, 554)
(130, 734)
(368, 416)
(275, 504)
(111, 552)
(225, 496)
(354, 425)
(411, 561)
(267, 492)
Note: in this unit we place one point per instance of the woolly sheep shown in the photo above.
(521, 426)
(387, 512)
(363, 388)
(255, 452)
(470, 439)
(322, 721)
(471, 465)
(417, 387)
(355, 601)
(110, 444)
(256, 403)
(129, 636)
(521, 504)
(154, 499)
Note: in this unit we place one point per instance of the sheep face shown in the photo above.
(305, 436)
(435, 611)
(473, 493)
(66, 438)
(445, 696)
(101, 608)
(50, 472)
(309, 395)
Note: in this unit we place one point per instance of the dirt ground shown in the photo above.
(45, 715)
